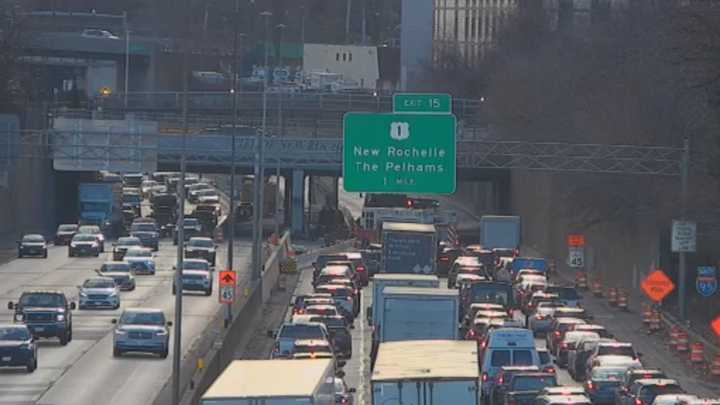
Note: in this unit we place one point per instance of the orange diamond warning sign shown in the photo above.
(657, 285)
(715, 325)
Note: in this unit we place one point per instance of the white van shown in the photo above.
(506, 347)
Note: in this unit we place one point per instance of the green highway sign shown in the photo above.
(399, 153)
(426, 103)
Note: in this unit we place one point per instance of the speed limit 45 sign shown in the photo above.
(576, 257)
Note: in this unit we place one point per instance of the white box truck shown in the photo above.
(497, 231)
(409, 248)
(424, 372)
(380, 281)
(273, 382)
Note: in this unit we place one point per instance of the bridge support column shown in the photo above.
(287, 199)
(297, 217)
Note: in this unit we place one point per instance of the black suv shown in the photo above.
(201, 248)
(46, 313)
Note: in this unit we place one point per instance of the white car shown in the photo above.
(99, 292)
(141, 260)
(99, 34)
(674, 399)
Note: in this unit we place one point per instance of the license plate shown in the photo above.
(6, 358)
(39, 329)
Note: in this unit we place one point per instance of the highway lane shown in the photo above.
(84, 370)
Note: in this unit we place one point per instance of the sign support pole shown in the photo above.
(683, 216)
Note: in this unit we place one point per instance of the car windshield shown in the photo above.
(89, 229)
(616, 350)
(33, 238)
(84, 238)
(67, 228)
(608, 374)
(115, 268)
(142, 228)
(138, 253)
(544, 357)
(532, 383)
(190, 222)
(298, 331)
(129, 242)
(339, 386)
(143, 318)
(96, 283)
(205, 243)
(331, 322)
(42, 300)
(132, 198)
(7, 334)
(649, 393)
(493, 296)
(195, 265)
(205, 192)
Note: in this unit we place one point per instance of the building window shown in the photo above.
(344, 57)
(337, 56)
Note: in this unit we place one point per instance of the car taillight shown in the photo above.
(483, 344)
(590, 385)
(348, 298)
(539, 317)
(557, 333)
(485, 377)
(638, 401)
(549, 370)
(276, 347)
(516, 252)
(500, 380)
(344, 401)
(563, 345)
(360, 269)
(444, 259)
(471, 333)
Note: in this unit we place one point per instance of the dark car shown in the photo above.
(201, 248)
(603, 383)
(64, 234)
(148, 234)
(644, 391)
(340, 336)
(446, 258)
(525, 387)
(558, 328)
(32, 245)
(122, 245)
(46, 313)
(633, 374)
(323, 260)
(17, 347)
(84, 245)
(191, 228)
(504, 377)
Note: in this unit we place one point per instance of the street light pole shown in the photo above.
(231, 212)
(281, 27)
(180, 234)
(127, 60)
(259, 167)
(682, 285)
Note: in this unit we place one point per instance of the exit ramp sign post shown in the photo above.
(399, 153)
(422, 103)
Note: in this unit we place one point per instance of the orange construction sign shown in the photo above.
(576, 240)
(715, 325)
(657, 285)
(228, 278)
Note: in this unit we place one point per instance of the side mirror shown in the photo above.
(341, 363)
(79, 286)
(292, 305)
(352, 390)
(639, 354)
(168, 323)
(10, 305)
(340, 374)
(314, 264)
(72, 306)
(271, 334)
(174, 267)
(113, 321)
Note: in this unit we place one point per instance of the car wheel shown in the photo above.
(117, 352)
(164, 353)
(32, 365)
(64, 339)
(70, 334)
(45, 254)
(70, 253)
(97, 253)
(20, 255)
(102, 248)
(116, 306)
(174, 291)
(208, 292)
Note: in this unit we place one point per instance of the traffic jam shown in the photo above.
(112, 207)
(481, 325)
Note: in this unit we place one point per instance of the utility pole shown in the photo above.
(127, 59)
(682, 287)
(259, 182)
(231, 214)
(348, 7)
(302, 24)
(281, 27)
(177, 341)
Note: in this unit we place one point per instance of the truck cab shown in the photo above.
(47, 313)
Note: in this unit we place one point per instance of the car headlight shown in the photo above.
(113, 294)
(25, 346)
(95, 244)
(101, 237)
(73, 244)
(161, 332)
(120, 332)
(83, 294)
(60, 317)
(19, 317)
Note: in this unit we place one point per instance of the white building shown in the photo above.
(354, 63)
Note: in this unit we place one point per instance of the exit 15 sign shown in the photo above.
(399, 153)
(423, 103)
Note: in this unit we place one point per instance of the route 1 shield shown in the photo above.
(706, 282)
